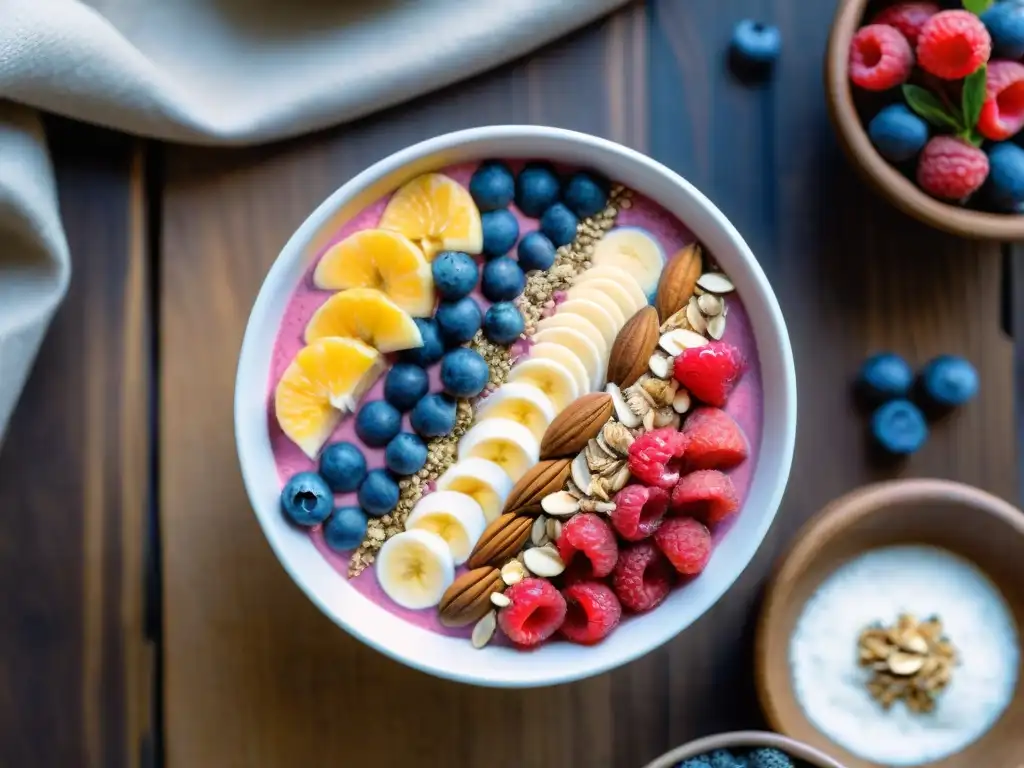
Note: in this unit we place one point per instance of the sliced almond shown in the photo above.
(710, 304)
(513, 572)
(681, 401)
(544, 562)
(695, 317)
(674, 342)
(622, 411)
(539, 532)
(581, 473)
(905, 663)
(560, 504)
(499, 600)
(660, 365)
(483, 630)
(914, 643)
(554, 528)
(716, 327)
(715, 282)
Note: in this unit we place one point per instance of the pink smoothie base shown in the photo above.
(745, 405)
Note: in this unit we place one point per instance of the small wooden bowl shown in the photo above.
(966, 521)
(745, 740)
(876, 170)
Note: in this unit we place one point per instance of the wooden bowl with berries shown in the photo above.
(927, 99)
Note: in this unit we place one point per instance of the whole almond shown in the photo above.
(469, 596)
(633, 348)
(543, 478)
(581, 420)
(678, 280)
(502, 539)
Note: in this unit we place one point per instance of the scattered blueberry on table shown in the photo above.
(558, 223)
(492, 186)
(885, 376)
(949, 381)
(404, 385)
(503, 322)
(459, 320)
(535, 251)
(378, 493)
(537, 189)
(464, 372)
(1005, 185)
(345, 529)
(434, 415)
(433, 344)
(306, 499)
(342, 466)
(899, 428)
(503, 279)
(406, 454)
(455, 274)
(377, 422)
(500, 230)
(897, 133)
(585, 194)
(755, 43)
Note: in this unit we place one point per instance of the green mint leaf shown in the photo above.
(928, 106)
(977, 7)
(974, 96)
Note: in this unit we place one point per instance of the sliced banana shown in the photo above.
(414, 568)
(550, 377)
(636, 251)
(596, 296)
(609, 289)
(581, 324)
(482, 480)
(595, 314)
(569, 360)
(455, 517)
(507, 443)
(582, 347)
(619, 275)
(520, 402)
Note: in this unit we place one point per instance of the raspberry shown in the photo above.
(1002, 114)
(593, 611)
(952, 44)
(653, 457)
(908, 18)
(714, 440)
(589, 535)
(950, 168)
(706, 494)
(710, 372)
(638, 511)
(686, 543)
(643, 577)
(536, 612)
(880, 57)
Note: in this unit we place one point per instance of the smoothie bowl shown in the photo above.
(515, 405)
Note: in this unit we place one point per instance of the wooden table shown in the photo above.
(147, 621)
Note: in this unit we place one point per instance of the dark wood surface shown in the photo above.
(252, 673)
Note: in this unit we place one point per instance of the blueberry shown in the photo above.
(458, 320)
(535, 252)
(406, 454)
(949, 381)
(537, 189)
(501, 230)
(769, 757)
(503, 322)
(306, 499)
(464, 372)
(585, 194)
(1005, 184)
(492, 185)
(756, 43)
(343, 466)
(885, 376)
(345, 529)
(559, 224)
(378, 494)
(897, 133)
(1005, 24)
(455, 274)
(434, 415)
(503, 279)
(899, 427)
(377, 422)
(433, 345)
(404, 385)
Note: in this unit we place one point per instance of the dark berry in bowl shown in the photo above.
(503, 323)
(459, 320)
(501, 230)
(535, 252)
(433, 344)
(377, 422)
(897, 133)
(455, 274)
(404, 385)
(558, 223)
(537, 188)
(503, 279)
(345, 529)
(378, 494)
(492, 186)
(585, 194)
(1005, 185)
(434, 415)
(406, 454)
(306, 499)
(342, 466)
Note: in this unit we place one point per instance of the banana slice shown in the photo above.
(581, 324)
(567, 358)
(595, 314)
(622, 298)
(455, 517)
(415, 568)
(550, 377)
(480, 479)
(617, 274)
(636, 251)
(582, 347)
(520, 402)
(620, 306)
(507, 443)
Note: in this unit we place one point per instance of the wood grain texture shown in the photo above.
(75, 669)
(256, 676)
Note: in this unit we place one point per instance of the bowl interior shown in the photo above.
(975, 525)
(452, 657)
(745, 740)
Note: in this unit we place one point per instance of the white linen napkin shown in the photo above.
(213, 72)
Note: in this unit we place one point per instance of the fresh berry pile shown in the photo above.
(952, 97)
(762, 757)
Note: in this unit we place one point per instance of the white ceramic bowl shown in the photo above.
(557, 662)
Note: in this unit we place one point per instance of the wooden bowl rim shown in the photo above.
(885, 179)
(788, 745)
(837, 516)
